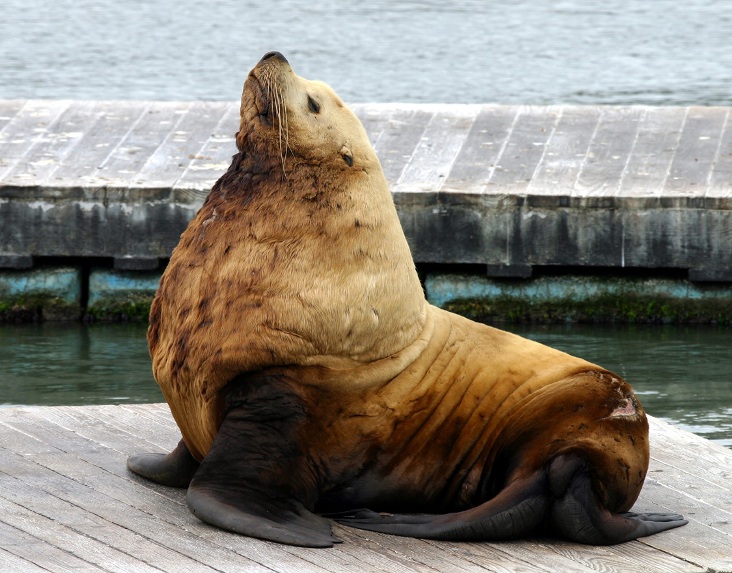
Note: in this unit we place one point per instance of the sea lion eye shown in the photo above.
(313, 105)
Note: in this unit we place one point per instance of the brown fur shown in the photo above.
(295, 258)
(447, 427)
(297, 263)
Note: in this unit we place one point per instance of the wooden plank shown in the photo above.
(690, 171)
(169, 546)
(21, 551)
(658, 136)
(26, 129)
(702, 544)
(9, 108)
(67, 466)
(158, 412)
(433, 158)
(504, 557)
(634, 556)
(609, 153)
(45, 159)
(720, 182)
(524, 149)
(399, 138)
(478, 157)
(565, 152)
(132, 151)
(182, 144)
(86, 434)
(10, 562)
(375, 118)
(78, 520)
(63, 526)
(691, 476)
(103, 126)
(214, 157)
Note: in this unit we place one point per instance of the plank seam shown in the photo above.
(717, 152)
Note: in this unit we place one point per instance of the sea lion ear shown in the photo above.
(347, 155)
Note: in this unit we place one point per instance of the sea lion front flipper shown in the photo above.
(175, 469)
(252, 513)
(255, 479)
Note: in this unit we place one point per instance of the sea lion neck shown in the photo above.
(363, 301)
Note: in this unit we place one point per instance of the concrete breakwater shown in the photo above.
(512, 212)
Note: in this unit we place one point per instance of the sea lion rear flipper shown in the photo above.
(174, 469)
(577, 514)
(517, 510)
(254, 479)
(560, 500)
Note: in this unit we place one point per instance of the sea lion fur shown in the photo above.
(292, 341)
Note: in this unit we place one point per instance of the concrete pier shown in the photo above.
(512, 190)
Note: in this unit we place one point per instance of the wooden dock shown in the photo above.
(68, 503)
(510, 187)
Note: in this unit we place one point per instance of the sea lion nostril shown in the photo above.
(277, 55)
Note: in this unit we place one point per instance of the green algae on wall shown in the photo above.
(582, 299)
(121, 296)
(40, 294)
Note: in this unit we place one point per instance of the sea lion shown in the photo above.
(307, 373)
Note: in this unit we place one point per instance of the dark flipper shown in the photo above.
(175, 469)
(255, 479)
(558, 501)
(577, 515)
(516, 511)
(252, 513)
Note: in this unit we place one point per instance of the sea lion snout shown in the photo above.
(274, 54)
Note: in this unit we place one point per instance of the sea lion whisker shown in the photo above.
(283, 127)
(281, 113)
(287, 129)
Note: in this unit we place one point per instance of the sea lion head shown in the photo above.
(299, 120)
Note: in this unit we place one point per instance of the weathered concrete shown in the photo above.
(505, 188)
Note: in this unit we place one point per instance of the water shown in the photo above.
(73, 364)
(681, 375)
(474, 51)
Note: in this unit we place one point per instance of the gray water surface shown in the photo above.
(661, 52)
(681, 374)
